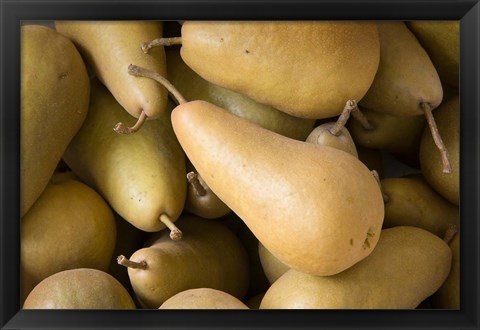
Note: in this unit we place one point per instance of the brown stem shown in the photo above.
(146, 46)
(120, 128)
(427, 109)
(192, 178)
(358, 115)
(343, 118)
(175, 233)
(377, 178)
(122, 260)
(142, 72)
(450, 233)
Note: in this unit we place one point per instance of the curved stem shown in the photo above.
(358, 115)
(122, 260)
(175, 233)
(192, 178)
(377, 178)
(120, 128)
(427, 109)
(343, 118)
(146, 46)
(142, 72)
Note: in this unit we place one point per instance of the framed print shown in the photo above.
(272, 249)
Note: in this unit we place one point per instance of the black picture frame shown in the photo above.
(13, 12)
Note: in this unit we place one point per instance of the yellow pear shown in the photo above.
(272, 267)
(203, 298)
(54, 102)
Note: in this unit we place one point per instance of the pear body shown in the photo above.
(441, 40)
(69, 226)
(285, 190)
(110, 47)
(203, 298)
(142, 175)
(447, 117)
(263, 60)
(54, 103)
(321, 135)
(208, 256)
(406, 76)
(272, 267)
(194, 87)
(408, 265)
(80, 288)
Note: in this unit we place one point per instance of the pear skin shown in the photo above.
(408, 265)
(288, 192)
(272, 267)
(142, 176)
(406, 77)
(54, 102)
(321, 135)
(69, 226)
(306, 69)
(80, 288)
(109, 47)
(203, 298)
(447, 117)
(194, 87)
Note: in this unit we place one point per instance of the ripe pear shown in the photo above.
(441, 40)
(327, 62)
(109, 47)
(272, 267)
(208, 256)
(54, 103)
(142, 176)
(194, 87)
(408, 265)
(80, 288)
(69, 226)
(288, 192)
(447, 117)
(322, 135)
(412, 202)
(203, 298)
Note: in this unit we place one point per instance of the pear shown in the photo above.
(272, 267)
(54, 103)
(412, 202)
(408, 265)
(194, 87)
(447, 117)
(80, 288)
(203, 298)
(328, 62)
(208, 256)
(322, 135)
(142, 176)
(109, 47)
(69, 226)
(441, 40)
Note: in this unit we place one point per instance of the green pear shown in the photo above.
(142, 176)
(54, 95)
(441, 40)
(203, 298)
(412, 202)
(194, 87)
(447, 117)
(80, 288)
(408, 265)
(109, 47)
(208, 256)
(69, 226)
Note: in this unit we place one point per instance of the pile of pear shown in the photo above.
(239, 165)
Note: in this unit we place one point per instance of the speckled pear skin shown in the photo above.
(203, 298)
(408, 265)
(406, 76)
(306, 69)
(110, 47)
(54, 102)
(288, 192)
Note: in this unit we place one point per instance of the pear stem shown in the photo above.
(427, 109)
(343, 118)
(120, 128)
(192, 178)
(175, 233)
(142, 72)
(377, 178)
(122, 260)
(146, 46)
(450, 233)
(358, 115)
